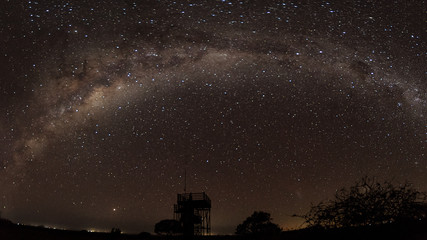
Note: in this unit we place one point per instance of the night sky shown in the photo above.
(268, 105)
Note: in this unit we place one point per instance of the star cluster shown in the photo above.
(267, 105)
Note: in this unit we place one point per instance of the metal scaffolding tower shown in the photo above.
(193, 211)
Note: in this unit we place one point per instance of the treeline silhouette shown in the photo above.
(367, 210)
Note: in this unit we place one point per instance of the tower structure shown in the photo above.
(193, 211)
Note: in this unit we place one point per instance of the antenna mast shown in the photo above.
(185, 180)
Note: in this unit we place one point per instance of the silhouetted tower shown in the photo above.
(193, 211)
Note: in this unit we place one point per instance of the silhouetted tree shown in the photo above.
(258, 224)
(168, 227)
(144, 235)
(4, 222)
(368, 203)
(116, 231)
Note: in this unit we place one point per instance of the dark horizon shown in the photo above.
(266, 105)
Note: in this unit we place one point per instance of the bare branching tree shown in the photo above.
(368, 203)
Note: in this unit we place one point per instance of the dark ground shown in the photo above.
(408, 231)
